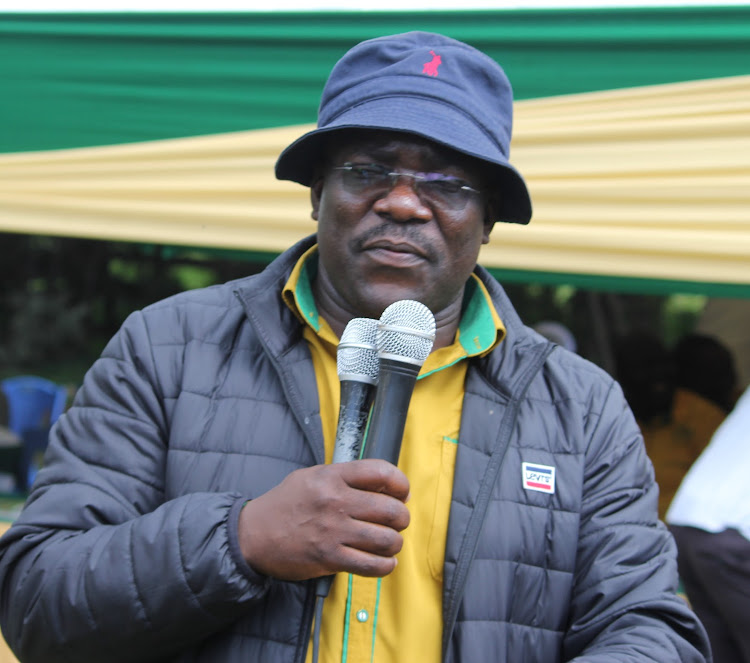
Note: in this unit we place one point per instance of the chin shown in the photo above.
(380, 302)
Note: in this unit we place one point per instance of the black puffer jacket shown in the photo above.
(127, 548)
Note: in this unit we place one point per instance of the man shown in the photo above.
(679, 398)
(710, 519)
(185, 511)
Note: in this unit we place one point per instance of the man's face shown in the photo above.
(378, 247)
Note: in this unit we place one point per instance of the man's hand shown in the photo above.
(328, 518)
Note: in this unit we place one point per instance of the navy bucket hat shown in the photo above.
(424, 84)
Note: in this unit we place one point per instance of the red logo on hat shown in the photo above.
(431, 68)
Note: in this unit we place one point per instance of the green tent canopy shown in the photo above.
(632, 129)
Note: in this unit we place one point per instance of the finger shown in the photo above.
(366, 564)
(378, 509)
(310, 522)
(364, 549)
(328, 495)
(373, 539)
(375, 475)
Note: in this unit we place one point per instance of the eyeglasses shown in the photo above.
(440, 190)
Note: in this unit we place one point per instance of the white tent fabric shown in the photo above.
(649, 182)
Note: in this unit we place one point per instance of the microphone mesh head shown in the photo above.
(357, 354)
(406, 332)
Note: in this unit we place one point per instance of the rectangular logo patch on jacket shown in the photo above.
(538, 477)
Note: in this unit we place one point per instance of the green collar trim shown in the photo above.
(477, 331)
(303, 294)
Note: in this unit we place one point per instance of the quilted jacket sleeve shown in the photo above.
(100, 566)
(624, 605)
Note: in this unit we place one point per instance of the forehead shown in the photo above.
(400, 149)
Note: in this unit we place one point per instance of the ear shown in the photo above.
(490, 214)
(316, 191)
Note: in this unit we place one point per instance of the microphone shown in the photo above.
(406, 332)
(357, 368)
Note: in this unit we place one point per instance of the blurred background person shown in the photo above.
(705, 389)
(557, 333)
(679, 399)
(645, 370)
(705, 366)
(710, 520)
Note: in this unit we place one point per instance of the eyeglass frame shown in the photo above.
(391, 178)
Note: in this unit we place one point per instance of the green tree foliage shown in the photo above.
(62, 298)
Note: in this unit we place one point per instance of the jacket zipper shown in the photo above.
(471, 539)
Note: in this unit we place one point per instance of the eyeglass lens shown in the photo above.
(435, 188)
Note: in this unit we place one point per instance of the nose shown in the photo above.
(402, 202)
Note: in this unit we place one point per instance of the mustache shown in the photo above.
(396, 232)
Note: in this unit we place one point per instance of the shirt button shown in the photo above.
(362, 616)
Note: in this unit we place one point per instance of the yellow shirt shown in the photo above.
(675, 445)
(399, 617)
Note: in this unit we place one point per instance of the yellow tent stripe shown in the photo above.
(649, 182)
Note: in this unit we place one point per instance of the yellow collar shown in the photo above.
(479, 330)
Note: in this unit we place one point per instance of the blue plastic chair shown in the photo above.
(33, 402)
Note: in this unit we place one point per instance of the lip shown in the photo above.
(394, 253)
(393, 246)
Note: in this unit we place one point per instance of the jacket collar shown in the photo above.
(260, 295)
(280, 329)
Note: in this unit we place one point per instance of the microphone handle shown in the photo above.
(396, 381)
(356, 399)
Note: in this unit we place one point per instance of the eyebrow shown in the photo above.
(387, 156)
